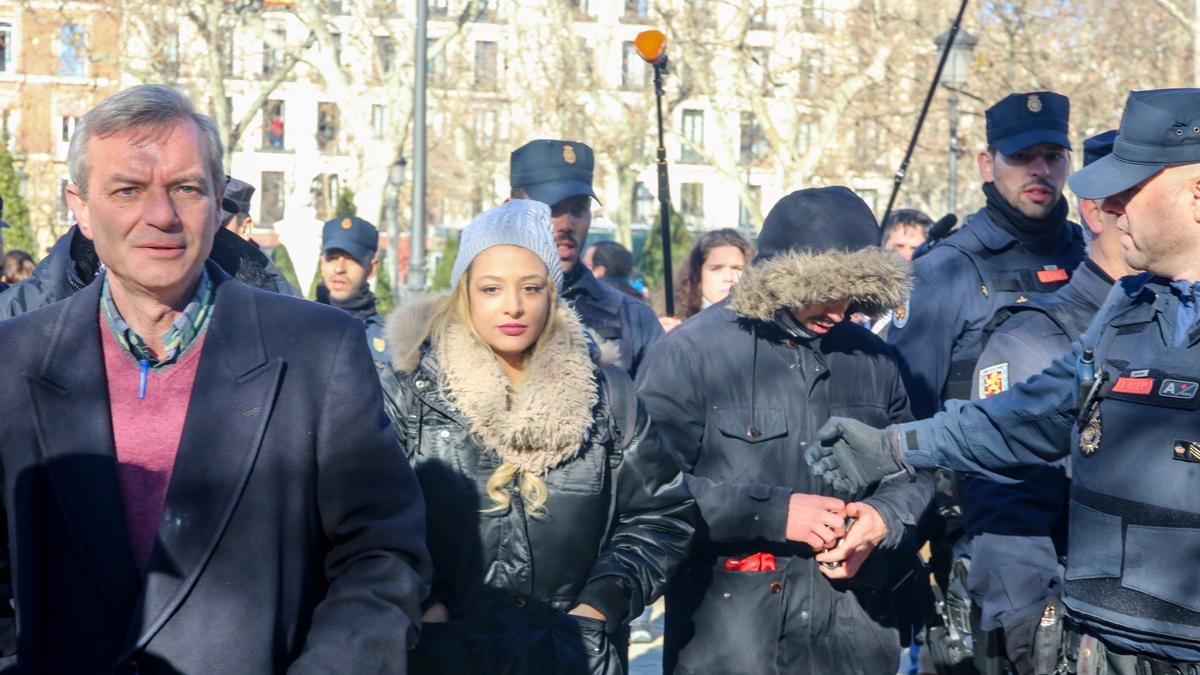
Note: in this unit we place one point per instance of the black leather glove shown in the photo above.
(852, 456)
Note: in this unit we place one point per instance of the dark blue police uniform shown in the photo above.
(361, 240)
(963, 281)
(551, 171)
(1019, 530)
(1124, 406)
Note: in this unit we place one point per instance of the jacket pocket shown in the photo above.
(759, 426)
(737, 624)
(1094, 543)
(1157, 563)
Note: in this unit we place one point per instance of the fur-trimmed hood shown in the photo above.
(873, 279)
(537, 427)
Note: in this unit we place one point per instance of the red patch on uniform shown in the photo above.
(1051, 276)
(1134, 385)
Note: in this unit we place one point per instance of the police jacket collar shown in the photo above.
(996, 238)
(1091, 282)
(581, 280)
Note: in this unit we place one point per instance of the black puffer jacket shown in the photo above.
(72, 264)
(616, 524)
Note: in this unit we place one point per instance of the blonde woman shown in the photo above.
(554, 514)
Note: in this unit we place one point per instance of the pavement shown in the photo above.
(646, 659)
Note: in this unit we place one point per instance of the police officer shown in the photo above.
(1019, 530)
(1123, 405)
(1020, 244)
(348, 246)
(559, 174)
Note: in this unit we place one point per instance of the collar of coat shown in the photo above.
(537, 427)
(874, 280)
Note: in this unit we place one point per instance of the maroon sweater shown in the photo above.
(146, 433)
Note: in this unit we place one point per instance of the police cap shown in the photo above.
(1098, 146)
(551, 171)
(237, 197)
(1021, 120)
(1159, 128)
(350, 234)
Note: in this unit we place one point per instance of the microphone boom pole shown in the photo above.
(912, 143)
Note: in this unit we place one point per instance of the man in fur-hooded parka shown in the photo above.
(740, 390)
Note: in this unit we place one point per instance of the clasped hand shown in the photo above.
(820, 522)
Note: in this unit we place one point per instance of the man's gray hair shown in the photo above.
(146, 106)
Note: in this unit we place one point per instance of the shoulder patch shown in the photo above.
(993, 380)
(900, 316)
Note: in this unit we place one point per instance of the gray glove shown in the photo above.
(853, 456)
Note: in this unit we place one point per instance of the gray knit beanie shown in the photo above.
(520, 222)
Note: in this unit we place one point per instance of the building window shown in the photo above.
(486, 66)
(691, 200)
(692, 147)
(636, 11)
(867, 140)
(435, 64)
(70, 50)
(7, 45)
(758, 14)
(66, 128)
(273, 56)
(804, 133)
(325, 188)
(581, 9)
(634, 73)
(812, 10)
(335, 39)
(439, 8)
(378, 120)
(272, 125)
(273, 192)
(487, 10)
(385, 54)
(746, 219)
(328, 123)
(753, 143)
(63, 209)
(486, 130)
(643, 204)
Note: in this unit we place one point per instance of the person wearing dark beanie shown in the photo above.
(740, 390)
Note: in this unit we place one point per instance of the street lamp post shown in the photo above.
(416, 244)
(395, 183)
(958, 66)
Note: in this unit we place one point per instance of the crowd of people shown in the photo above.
(204, 472)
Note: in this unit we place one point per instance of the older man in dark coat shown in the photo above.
(197, 480)
(741, 389)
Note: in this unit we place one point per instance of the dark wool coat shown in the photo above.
(292, 536)
(741, 396)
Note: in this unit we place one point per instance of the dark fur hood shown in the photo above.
(873, 279)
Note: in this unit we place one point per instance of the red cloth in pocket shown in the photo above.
(759, 562)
